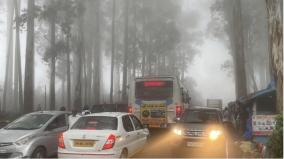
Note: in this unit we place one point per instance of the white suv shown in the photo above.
(108, 134)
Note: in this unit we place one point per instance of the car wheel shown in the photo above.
(124, 154)
(39, 153)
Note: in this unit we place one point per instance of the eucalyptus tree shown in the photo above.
(275, 25)
(60, 15)
(18, 88)
(112, 50)
(227, 24)
(9, 57)
(125, 56)
(29, 63)
(79, 53)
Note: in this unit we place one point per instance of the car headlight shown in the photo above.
(24, 141)
(16, 155)
(214, 134)
(177, 131)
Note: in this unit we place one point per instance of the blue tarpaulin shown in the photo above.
(270, 88)
(247, 99)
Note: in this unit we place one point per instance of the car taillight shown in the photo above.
(61, 141)
(130, 110)
(178, 111)
(110, 142)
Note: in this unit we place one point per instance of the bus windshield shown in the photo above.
(154, 90)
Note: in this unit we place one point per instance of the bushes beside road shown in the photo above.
(275, 143)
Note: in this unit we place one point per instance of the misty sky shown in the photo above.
(205, 69)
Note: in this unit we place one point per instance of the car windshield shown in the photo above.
(200, 116)
(29, 122)
(96, 123)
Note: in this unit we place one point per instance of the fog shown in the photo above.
(190, 39)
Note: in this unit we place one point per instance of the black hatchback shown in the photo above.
(200, 130)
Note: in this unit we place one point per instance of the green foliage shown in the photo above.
(275, 143)
(23, 18)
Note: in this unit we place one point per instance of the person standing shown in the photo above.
(86, 110)
(226, 114)
(62, 108)
(73, 117)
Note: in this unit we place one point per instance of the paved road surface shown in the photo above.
(159, 146)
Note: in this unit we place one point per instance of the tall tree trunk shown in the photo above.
(112, 51)
(97, 56)
(68, 74)
(125, 57)
(85, 78)
(62, 92)
(90, 74)
(134, 44)
(239, 60)
(16, 67)
(9, 56)
(52, 64)
(29, 68)
(275, 27)
(79, 55)
(117, 92)
(144, 43)
(18, 63)
(78, 87)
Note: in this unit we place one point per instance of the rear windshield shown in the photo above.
(200, 116)
(96, 123)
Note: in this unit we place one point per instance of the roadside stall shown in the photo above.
(257, 114)
(264, 113)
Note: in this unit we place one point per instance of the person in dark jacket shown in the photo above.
(62, 108)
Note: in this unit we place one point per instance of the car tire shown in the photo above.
(124, 154)
(39, 153)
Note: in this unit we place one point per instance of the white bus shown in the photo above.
(157, 101)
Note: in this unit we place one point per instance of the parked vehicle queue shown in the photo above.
(37, 135)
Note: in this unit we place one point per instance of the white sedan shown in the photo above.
(108, 134)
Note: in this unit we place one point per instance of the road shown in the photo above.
(158, 146)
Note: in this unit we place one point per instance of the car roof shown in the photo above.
(51, 112)
(111, 114)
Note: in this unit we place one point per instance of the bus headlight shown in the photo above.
(214, 134)
(177, 131)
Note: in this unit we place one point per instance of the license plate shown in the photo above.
(194, 144)
(84, 143)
